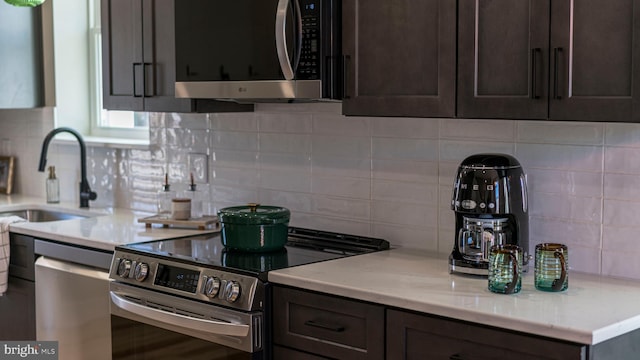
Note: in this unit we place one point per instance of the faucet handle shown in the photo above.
(88, 195)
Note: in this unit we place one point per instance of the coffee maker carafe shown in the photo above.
(490, 204)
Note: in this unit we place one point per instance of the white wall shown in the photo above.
(385, 177)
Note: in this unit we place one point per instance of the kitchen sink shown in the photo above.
(40, 215)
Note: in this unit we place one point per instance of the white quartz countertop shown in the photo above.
(103, 228)
(592, 310)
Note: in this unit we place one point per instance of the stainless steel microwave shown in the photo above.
(259, 49)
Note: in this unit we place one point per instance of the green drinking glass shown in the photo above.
(505, 269)
(552, 267)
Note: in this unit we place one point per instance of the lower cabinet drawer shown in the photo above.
(328, 326)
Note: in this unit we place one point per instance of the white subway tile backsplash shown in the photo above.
(232, 140)
(284, 123)
(340, 207)
(357, 188)
(456, 151)
(187, 121)
(233, 122)
(310, 107)
(616, 186)
(393, 212)
(405, 192)
(622, 160)
(298, 181)
(333, 124)
(561, 157)
(571, 233)
(405, 170)
(405, 128)
(419, 238)
(558, 206)
(584, 259)
(620, 264)
(477, 130)
(286, 162)
(331, 223)
(341, 146)
(294, 201)
(225, 196)
(233, 158)
(620, 212)
(621, 238)
(370, 176)
(285, 143)
(564, 182)
(622, 134)
(447, 172)
(559, 132)
(240, 177)
(404, 149)
(341, 166)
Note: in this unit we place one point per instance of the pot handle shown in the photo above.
(253, 206)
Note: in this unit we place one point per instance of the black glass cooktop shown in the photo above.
(304, 246)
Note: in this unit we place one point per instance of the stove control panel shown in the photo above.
(216, 286)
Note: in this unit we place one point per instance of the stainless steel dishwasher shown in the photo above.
(72, 299)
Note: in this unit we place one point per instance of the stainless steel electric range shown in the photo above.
(190, 298)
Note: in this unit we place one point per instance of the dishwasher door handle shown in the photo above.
(81, 270)
(202, 325)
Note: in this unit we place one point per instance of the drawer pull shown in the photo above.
(321, 325)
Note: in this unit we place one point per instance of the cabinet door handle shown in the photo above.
(556, 69)
(325, 326)
(135, 93)
(144, 80)
(534, 72)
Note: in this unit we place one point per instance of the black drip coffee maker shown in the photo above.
(490, 204)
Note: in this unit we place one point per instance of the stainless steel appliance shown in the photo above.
(490, 204)
(192, 298)
(266, 49)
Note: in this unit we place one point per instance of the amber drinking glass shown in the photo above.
(552, 267)
(505, 269)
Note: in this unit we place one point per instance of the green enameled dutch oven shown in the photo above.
(254, 227)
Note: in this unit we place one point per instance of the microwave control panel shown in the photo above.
(309, 66)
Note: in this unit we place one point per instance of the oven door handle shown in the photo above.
(206, 326)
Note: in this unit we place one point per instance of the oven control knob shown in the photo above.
(232, 291)
(211, 287)
(141, 271)
(124, 268)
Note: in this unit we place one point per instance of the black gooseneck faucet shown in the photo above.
(85, 190)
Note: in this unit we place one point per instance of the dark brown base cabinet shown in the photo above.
(418, 336)
(18, 305)
(314, 326)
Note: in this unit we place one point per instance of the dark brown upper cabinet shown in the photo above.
(400, 57)
(21, 58)
(138, 59)
(541, 59)
(595, 53)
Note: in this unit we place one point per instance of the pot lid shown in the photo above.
(255, 214)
